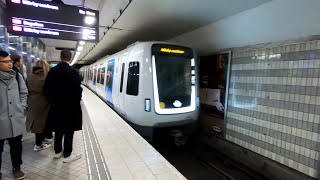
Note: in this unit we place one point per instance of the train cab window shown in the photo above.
(122, 74)
(133, 79)
(102, 73)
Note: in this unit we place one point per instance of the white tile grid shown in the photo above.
(128, 156)
(296, 64)
(287, 48)
(277, 142)
(41, 165)
(305, 99)
(308, 117)
(277, 81)
(288, 162)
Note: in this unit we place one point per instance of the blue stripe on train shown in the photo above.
(109, 79)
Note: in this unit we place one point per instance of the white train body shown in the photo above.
(150, 84)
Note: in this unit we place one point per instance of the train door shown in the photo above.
(100, 87)
(95, 77)
(116, 82)
(122, 84)
(86, 76)
(109, 82)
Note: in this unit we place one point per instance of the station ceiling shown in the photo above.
(123, 22)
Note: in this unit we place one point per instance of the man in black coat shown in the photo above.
(63, 91)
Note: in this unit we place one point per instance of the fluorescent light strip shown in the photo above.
(82, 43)
(73, 61)
(52, 22)
(79, 48)
(12, 48)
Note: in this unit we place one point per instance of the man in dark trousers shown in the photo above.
(13, 103)
(63, 91)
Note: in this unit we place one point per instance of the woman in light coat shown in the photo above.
(38, 106)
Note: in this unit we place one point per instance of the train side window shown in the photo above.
(99, 75)
(133, 79)
(122, 74)
(94, 74)
(102, 74)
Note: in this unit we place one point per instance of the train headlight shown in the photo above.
(147, 105)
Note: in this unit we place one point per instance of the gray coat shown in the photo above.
(12, 105)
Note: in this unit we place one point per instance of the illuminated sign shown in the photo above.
(49, 20)
(176, 51)
(172, 50)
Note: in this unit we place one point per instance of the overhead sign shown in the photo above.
(49, 20)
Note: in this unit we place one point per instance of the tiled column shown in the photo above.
(274, 103)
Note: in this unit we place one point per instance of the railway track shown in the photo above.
(199, 161)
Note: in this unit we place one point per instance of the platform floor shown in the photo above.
(41, 165)
(110, 149)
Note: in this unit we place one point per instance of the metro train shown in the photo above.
(150, 84)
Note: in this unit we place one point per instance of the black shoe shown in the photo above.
(18, 174)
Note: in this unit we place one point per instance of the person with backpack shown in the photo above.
(13, 103)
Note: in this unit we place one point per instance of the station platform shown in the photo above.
(110, 149)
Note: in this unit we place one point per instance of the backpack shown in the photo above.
(18, 80)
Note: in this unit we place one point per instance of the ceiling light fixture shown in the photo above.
(79, 48)
(12, 48)
(89, 20)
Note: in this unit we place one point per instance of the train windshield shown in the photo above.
(173, 78)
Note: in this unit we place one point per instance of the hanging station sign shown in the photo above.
(49, 20)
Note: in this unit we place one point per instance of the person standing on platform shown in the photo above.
(17, 63)
(13, 103)
(63, 91)
(38, 106)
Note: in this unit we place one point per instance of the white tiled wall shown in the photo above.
(274, 104)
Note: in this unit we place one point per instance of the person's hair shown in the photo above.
(44, 65)
(15, 58)
(65, 55)
(3, 54)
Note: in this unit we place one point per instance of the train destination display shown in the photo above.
(49, 20)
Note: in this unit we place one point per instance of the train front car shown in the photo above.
(173, 90)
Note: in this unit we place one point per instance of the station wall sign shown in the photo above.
(49, 20)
